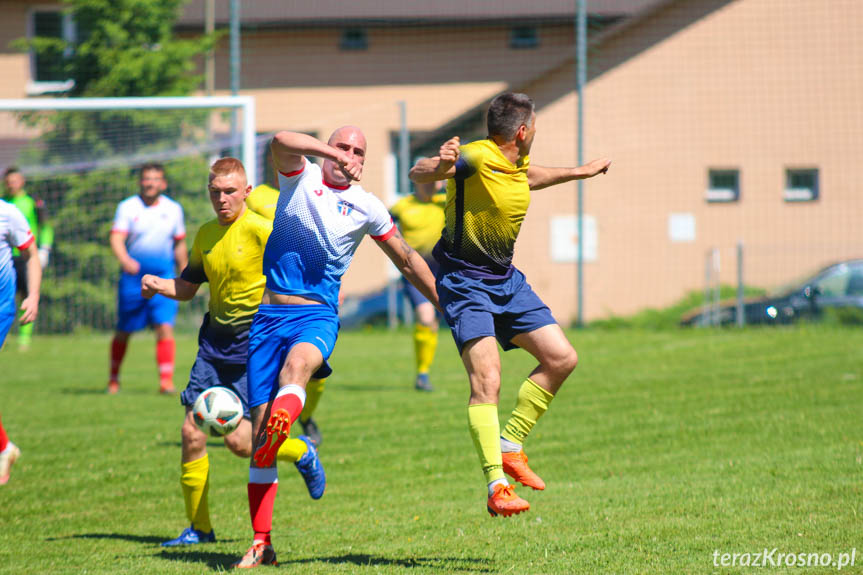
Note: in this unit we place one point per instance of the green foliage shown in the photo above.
(669, 317)
(661, 448)
(84, 163)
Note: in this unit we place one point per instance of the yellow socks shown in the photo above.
(291, 450)
(485, 431)
(532, 403)
(195, 480)
(425, 345)
(314, 390)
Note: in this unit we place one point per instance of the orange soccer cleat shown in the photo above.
(515, 465)
(505, 502)
(278, 430)
(258, 554)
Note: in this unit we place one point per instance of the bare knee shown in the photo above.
(485, 386)
(194, 440)
(240, 444)
(563, 363)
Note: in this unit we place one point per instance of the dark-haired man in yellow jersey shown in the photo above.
(227, 253)
(263, 200)
(420, 217)
(485, 299)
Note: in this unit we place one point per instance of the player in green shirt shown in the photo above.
(34, 210)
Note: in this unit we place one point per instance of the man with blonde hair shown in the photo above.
(227, 252)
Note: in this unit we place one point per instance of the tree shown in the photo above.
(84, 163)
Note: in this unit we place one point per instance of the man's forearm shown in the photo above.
(418, 273)
(34, 273)
(297, 144)
(428, 170)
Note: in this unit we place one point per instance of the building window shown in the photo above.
(46, 69)
(801, 185)
(354, 39)
(524, 37)
(723, 186)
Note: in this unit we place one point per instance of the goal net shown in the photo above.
(81, 157)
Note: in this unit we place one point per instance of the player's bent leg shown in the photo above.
(195, 483)
(557, 360)
(301, 362)
(312, 470)
(118, 351)
(314, 391)
(239, 441)
(425, 344)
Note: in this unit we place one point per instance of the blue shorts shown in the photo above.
(278, 328)
(207, 373)
(480, 307)
(8, 309)
(134, 312)
(412, 292)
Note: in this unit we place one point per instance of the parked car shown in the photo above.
(838, 285)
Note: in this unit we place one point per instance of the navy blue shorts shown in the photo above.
(412, 292)
(278, 328)
(480, 307)
(207, 373)
(134, 312)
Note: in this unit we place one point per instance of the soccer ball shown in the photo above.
(218, 411)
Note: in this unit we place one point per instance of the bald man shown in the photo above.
(320, 219)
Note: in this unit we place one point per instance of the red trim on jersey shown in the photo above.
(180, 237)
(124, 232)
(296, 173)
(387, 235)
(27, 243)
(335, 187)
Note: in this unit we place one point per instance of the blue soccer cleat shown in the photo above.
(309, 466)
(191, 536)
(422, 383)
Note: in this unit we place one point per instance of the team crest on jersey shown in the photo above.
(345, 208)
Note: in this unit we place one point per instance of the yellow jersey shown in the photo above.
(230, 258)
(263, 200)
(420, 222)
(486, 202)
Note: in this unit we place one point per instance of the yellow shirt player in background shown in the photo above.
(420, 217)
(263, 200)
(485, 299)
(228, 253)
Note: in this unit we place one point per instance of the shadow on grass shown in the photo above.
(148, 539)
(219, 561)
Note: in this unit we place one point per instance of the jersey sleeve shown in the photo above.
(22, 237)
(179, 225)
(381, 226)
(288, 181)
(122, 219)
(468, 163)
(194, 271)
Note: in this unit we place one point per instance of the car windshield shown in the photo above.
(838, 280)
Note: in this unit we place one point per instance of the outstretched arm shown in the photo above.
(412, 265)
(175, 288)
(30, 305)
(440, 167)
(539, 177)
(288, 149)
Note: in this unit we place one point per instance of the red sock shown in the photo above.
(4, 441)
(262, 497)
(165, 349)
(118, 350)
(290, 402)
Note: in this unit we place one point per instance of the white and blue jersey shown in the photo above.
(14, 233)
(151, 232)
(316, 231)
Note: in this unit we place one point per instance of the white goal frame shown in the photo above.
(244, 103)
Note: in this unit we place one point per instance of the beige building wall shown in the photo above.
(756, 85)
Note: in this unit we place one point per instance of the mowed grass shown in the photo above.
(662, 448)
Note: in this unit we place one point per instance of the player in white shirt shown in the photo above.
(15, 232)
(148, 237)
(320, 220)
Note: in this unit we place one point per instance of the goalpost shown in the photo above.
(81, 157)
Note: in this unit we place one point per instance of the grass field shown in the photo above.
(664, 447)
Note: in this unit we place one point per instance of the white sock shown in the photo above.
(496, 482)
(507, 446)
